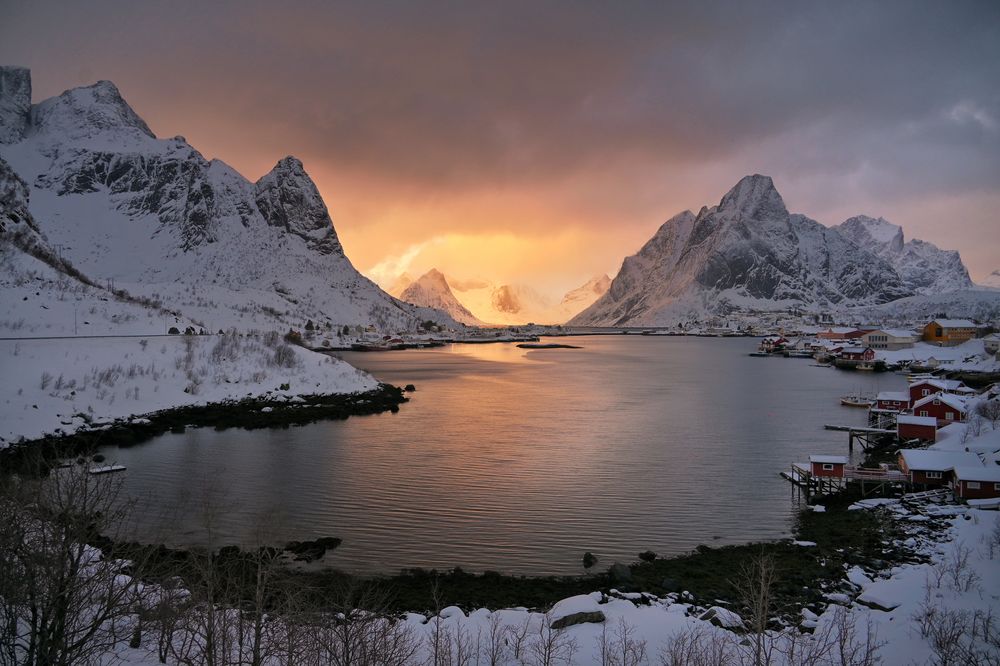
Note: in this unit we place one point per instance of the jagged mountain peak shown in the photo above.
(747, 253)
(862, 230)
(287, 197)
(431, 290)
(924, 267)
(88, 112)
(754, 197)
(15, 102)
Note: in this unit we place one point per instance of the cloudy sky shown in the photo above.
(541, 142)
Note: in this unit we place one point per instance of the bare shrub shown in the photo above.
(698, 645)
(990, 410)
(620, 647)
(549, 646)
(46, 380)
(284, 357)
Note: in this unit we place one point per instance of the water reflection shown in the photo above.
(521, 460)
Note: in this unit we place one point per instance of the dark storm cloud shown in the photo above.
(458, 94)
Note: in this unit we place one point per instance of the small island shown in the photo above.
(546, 345)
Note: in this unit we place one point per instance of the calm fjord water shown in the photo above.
(517, 460)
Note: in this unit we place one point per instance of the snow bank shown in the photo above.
(59, 386)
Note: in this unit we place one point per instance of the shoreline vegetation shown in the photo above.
(270, 411)
(808, 567)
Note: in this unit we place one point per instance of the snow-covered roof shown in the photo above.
(980, 473)
(938, 461)
(898, 396)
(954, 323)
(836, 460)
(943, 384)
(899, 333)
(853, 350)
(906, 419)
(953, 401)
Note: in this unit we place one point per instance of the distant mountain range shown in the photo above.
(492, 304)
(748, 254)
(158, 219)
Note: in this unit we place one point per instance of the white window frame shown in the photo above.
(933, 475)
(827, 467)
(949, 416)
(923, 412)
(972, 485)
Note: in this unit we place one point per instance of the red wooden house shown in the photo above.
(976, 482)
(828, 466)
(926, 387)
(859, 354)
(892, 400)
(933, 468)
(910, 427)
(945, 407)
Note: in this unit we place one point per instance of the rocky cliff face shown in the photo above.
(15, 103)
(746, 254)
(155, 214)
(923, 267)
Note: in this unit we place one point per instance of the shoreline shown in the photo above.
(811, 566)
(249, 413)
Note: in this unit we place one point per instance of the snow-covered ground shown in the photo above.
(55, 386)
(939, 611)
(968, 356)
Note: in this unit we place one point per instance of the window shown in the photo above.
(925, 392)
(996, 486)
(933, 475)
(827, 467)
(972, 485)
(923, 412)
(949, 416)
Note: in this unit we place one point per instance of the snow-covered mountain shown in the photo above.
(431, 290)
(992, 281)
(163, 222)
(45, 295)
(746, 254)
(577, 300)
(504, 304)
(925, 268)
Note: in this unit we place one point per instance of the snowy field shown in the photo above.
(53, 386)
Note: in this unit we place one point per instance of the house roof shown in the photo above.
(943, 384)
(854, 350)
(906, 419)
(836, 460)
(898, 396)
(954, 323)
(953, 401)
(981, 473)
(938, 461)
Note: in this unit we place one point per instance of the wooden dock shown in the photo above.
(867, 437)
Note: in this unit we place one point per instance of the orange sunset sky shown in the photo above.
(542, 142)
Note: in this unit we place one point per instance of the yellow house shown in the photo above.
(949, 332)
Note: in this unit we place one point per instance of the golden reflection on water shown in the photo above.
(521, 460)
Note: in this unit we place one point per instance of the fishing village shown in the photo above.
(907, 446)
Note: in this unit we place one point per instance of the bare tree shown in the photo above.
(61, 600)
(990, 410)
(620, 647)
(754, 586)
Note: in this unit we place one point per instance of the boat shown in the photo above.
(759, 354)
(799, 353)
(857, 400)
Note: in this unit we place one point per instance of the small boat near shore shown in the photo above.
(857, 400)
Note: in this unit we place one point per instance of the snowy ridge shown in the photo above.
(431, 290)
(163, 222)
(992, 281)
(746, 254)
(925, 268)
